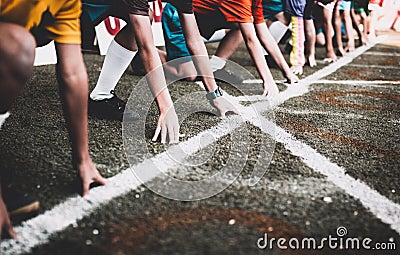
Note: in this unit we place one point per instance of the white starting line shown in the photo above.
(384, 54)
(37, 231)
(360, 83)
(340, 115)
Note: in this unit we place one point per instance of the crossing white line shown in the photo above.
(383, 208)
(344, 82)
(37, 230)
(311, 112)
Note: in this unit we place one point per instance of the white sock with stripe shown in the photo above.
(114, 66)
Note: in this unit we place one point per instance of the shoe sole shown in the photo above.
(26, 209)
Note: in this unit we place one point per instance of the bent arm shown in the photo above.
(197, 49)
(73, 85)
(254, 47)
(168, 121)
(268, 42)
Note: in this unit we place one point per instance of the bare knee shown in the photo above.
(17, 50)
(71, 77)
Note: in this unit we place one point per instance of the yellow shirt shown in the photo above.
(56, 20)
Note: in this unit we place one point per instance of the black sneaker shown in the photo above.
(110, 109)
(18, 203)
(224, 75)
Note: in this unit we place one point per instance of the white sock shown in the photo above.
(217, 63)
(114, 66)
(3, 118)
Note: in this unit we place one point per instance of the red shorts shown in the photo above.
(242, 11)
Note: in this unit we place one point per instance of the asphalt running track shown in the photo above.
(335, 165)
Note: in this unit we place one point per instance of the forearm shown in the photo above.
(155, 77)
(152, 65)
(74, 93)
(268, 42)
(198, 50)
(254, 47)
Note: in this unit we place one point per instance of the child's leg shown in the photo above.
(176, 50)
(349, 30)
(310, 41)
(338, 29)
(178, 69)
(119, 55)
(374, 8)
(328, 30)
(356, 24)
(228, 46)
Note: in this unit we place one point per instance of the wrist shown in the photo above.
(209, 83)
(164, 101)
(79, 158)
(212, 95)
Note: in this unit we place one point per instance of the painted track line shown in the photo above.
(374, 66)
(334, 114)
(311, 112)
(37, 231)
(383, 208)
(360, 82)
(384, 54)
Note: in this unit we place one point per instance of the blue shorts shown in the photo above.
(300, 8)
(345, 5)
(175, 42)
(271, 8)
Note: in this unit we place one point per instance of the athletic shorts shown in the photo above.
(271, 8)
(183, 6)
(175, 43)
(374, 5)
(98, 10)
(212, 15)
(49, 20)
(299, 8)
(360, 6)
(345, 5)
(326, 4)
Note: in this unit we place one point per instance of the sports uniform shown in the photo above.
(210, 15)
(360, 6)
(98, 10)
(213, 15)
(183, 6)
(271, 8)
(299, 11)
(345, 5)
(45, 19)
(175, 43)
